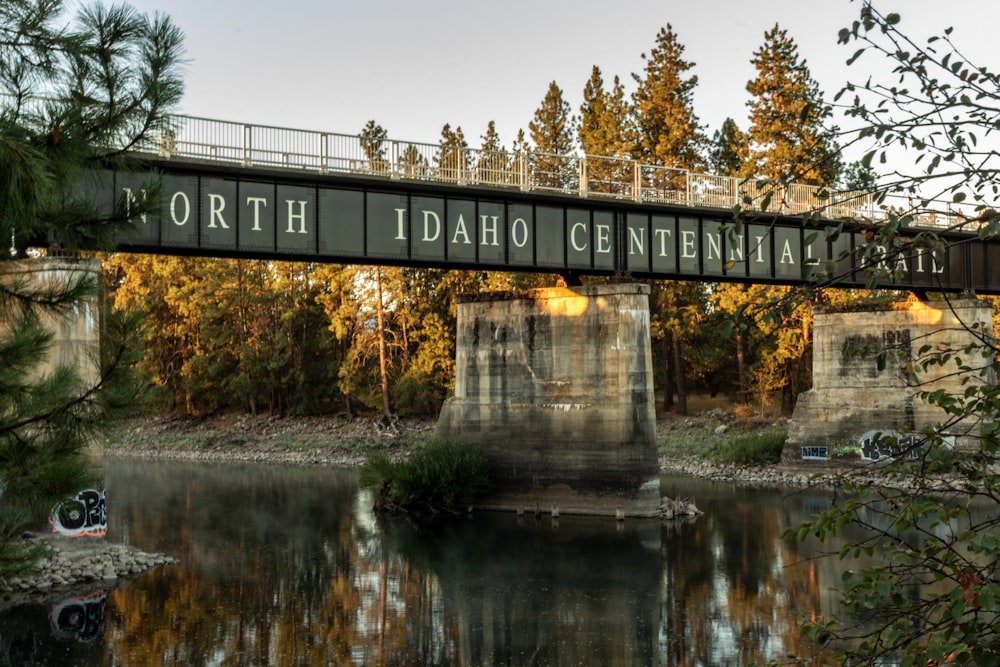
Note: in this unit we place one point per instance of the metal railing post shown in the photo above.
(247, 145)
(324, 152)
(202, 138)
(636, 180)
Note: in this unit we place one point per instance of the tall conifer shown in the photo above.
(788, 139)
(553, 133)
(669, 133)
(607, 130)
(727, 149)
(77, 95)
(453, 156)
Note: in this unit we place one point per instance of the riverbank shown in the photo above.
(684, 444)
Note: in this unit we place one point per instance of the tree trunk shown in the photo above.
(742, 396)
(788, 389)
(668, 375)
(382, 363)
(682, 403)
(241, 301)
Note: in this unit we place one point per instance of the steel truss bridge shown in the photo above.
(238, 190)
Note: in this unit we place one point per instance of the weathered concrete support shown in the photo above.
(555, 387)
(867, 374)
(75, 344)
(76, 330)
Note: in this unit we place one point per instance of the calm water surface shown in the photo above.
(288, 566)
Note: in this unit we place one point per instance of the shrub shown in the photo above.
(754, 448)
(442, 477)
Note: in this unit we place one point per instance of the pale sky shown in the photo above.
(414, 65)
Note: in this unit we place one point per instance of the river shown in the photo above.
(282, 565)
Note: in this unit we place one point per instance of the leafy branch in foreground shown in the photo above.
(922, 545)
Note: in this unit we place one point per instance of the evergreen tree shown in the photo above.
(859, 177)
(453, 155)
(606, 131)
(606, 126)
(669, 133)
(80, 95)
(727, 150)
(788, 140)
(412, 164)
(553, 133)
(493, 164)
(372, 138)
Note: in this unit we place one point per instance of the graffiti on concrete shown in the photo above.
(85, 514)
(815, 453)
(888, 444)
(80, 618)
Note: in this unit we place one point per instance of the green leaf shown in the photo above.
(855, 56)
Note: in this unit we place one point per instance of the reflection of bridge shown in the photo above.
(233, 189)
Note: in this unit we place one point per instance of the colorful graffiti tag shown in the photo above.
(85, 514)
(888, 444)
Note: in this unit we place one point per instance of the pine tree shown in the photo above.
(859, 177)
(453, 156)
(606, 131)
(553, 133)
(372, 138)
(789, 142)
(727, 150)
(669, 133)
(493, 164)
(412, 164)
(606, 126)
(78, 95)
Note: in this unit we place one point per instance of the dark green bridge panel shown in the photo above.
(234, 212)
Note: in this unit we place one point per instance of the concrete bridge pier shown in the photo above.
(868, 376)
(555, 387)
(75, 344)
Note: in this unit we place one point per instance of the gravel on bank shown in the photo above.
(78, 563)
(684, 443)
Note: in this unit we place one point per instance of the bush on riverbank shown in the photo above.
(442, 477)
(762, 448)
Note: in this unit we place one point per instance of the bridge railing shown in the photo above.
(593, 176)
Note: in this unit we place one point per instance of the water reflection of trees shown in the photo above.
(733, 589)
(284, 572)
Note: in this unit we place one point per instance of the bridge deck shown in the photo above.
(238, 190)
(586, 176)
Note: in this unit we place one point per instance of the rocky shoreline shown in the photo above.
(77, 563)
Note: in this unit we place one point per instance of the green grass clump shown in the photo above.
(442, 477)
(753, 448)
